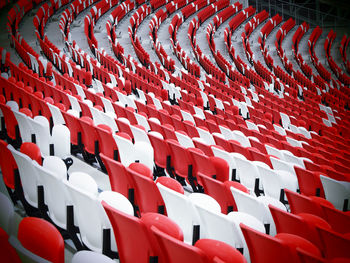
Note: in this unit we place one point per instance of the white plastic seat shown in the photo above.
(41, 129)
(91, 217)
(28, 175)
(285, 120)
(125, 149)
(13, 105)
(241, 138)
(304, 132)
(294, 142)
(74, 104)
(291, 158)
(141, 95)
(144, 153)
(54, 173)
(184, 140)
(280, 129)
(187, 116)
(199, 112)
(252, 126)
(279, 164)
(273, 181)
(122, 98)
(100, 117)
(107, 104)
(86, 256)
(206, 136)
(56, 114)
(142, 120)
(61, 140)
(227, 133)
(337, 192)
(139, 134)
(204, 201)
(24, 125)
(273, 151)
(249, 220)
(248, 173)
(257, 207)
(180, 210)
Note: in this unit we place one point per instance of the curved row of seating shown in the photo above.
(343, 47)
(336, 69)
(203, 133)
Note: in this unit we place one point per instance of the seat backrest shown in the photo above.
(264, 248)
(144, 153)
(41, 238)
(89, 134)
(53, 173)
(161, 149)
(84, 193)
(106, 142)
(309, 182)
(299, 203)
(337, 192)
(294, 224)
(179, 209)
(28, 176)
(178, 251)
(41, 129)
(118, 176)
(215, 225)
(335, 245)
(125, 149)
(61, 140)
(248, 172)
(148, 197)
(25, 127)
(74, 126)
(218, 191)
(130, 232)
(10, 121)
(340, 221)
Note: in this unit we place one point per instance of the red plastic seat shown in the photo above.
(309, 182)
(147, 195)
(118, 177)
(220, 192)
(335, 245)
(75, 128)
(176, 251)
(302, 204)
(10, 122)
(130, 233)
(182, 162)
(89, 134)
(106, 142)
(32, 150)
(161, 151)
(41, 238)
(303, 225)
(217, 249)
(267, 249)
(8, 166)
(339, 220)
